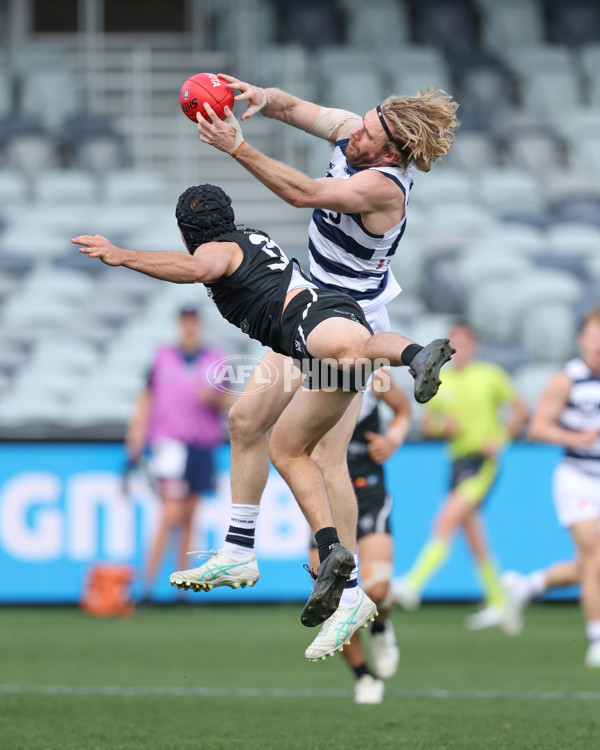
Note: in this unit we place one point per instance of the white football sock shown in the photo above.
(239, 542)
(350, 592)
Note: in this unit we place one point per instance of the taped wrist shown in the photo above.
(239, 149)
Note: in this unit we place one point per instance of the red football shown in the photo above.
(205, 87)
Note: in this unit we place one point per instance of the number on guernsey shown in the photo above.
(272, 249)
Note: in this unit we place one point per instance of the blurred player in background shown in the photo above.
(468, 412)
(368, 450)
(568, 414)
(358, 221)
(179, 415)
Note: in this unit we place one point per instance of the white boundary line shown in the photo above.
(209, 692)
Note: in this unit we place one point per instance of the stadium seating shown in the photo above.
(497, 307)
(531, 379)
(505, 230)
(510, 24)
(26, 146)
(536, 151)
(548, 333)
(91, 143)
(574, 23)
(445, 24)
(5, 93)
(66, 186)
(377, 24)
(13, 188)
(473, 151)
(54, 91)
(574, 239)
(504, 190)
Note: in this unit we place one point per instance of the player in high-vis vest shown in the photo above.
(469, 413)
(359, 219)
(568, 414)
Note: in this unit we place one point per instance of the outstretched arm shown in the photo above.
(323, 122)
(364, 192)
(208, 263)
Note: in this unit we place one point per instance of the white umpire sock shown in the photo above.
(350, 592)
(592, 629)
(239, 542)
(534, 585)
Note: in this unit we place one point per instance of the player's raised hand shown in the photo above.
(254, 95)
(97, 246)
(225, 135)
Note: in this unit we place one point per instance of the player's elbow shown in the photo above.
(300, 199)
(204, 273)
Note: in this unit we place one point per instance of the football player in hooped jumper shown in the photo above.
(361, 209)
(259, 290)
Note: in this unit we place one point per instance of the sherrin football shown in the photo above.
(201, 88)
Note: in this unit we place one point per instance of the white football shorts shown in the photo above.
(576, 495)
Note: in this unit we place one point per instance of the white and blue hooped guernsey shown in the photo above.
(344, 255)
(582, 412)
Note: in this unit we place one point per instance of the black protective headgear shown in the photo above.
(204, 212)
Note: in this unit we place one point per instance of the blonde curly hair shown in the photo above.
(423, 126)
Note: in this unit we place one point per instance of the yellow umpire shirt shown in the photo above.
(474, 397)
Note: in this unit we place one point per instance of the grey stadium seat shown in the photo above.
(504, 190)
(511, 24)
(66, 186)
(495, 308)
(471, 152)
(134, 186)
(548, 332)
(530, 381)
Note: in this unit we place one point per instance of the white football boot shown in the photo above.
(385, 651)
(368, 689)
(592, 657)
(219, 570)
(516, 600)
(341, 626)
(488, 617)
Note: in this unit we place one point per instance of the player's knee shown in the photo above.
(243, 426)
(329, 462)
(280, 454)
(377, 591)
(375, 581)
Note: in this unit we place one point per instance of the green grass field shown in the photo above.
(235, 678)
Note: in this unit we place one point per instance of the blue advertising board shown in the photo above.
(63, 509)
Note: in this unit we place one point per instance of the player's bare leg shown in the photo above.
(521, 589)
(563, 573)
(303, 423)
(496, 611)
(348, 341)
(330, 456)
(175, 513)
(408, 588)
(250, 420)
(376, 553)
